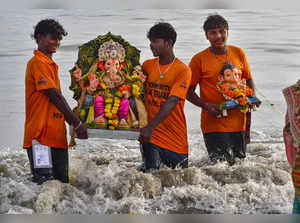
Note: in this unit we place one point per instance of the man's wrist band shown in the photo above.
(77, 127)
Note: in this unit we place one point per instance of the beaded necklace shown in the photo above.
(218, 58)
(161, 74)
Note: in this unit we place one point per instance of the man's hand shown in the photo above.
(213, 109)
(81, 132)
(257, 104)
(164, 111)
(145, 134)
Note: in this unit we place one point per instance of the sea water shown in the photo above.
(103, 172)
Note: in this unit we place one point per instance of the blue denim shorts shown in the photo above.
(154, 156)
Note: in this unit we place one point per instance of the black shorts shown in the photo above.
(60, 163)
(221, 145)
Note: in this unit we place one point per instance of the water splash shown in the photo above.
(105, 181)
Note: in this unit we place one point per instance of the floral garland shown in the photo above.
(110, 111)
(240, 95)
(137, 78)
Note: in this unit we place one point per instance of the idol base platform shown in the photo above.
(112, 134)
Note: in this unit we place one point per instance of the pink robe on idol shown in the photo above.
(100, 106)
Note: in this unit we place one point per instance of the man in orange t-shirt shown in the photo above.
(164, 139)
(46, 108)
(224, 136)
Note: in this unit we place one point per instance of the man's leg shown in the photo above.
(172, 159)
(40, 175)
(219, 147)
(60, 161)
(214, 145)
(238, 140)
(30, 158)
(151, 156)
(142, 167)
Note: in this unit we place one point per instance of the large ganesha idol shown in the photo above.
(108, 84)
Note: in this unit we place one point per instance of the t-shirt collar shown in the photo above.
(43, 56)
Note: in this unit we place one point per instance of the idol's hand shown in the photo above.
(142, 77)
(213, 109)
(77, 73)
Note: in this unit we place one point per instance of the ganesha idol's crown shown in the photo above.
(111, 49)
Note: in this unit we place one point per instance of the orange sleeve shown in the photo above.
(182, 83)
(246, 73)
(143, 65)
(42, 77)
(146, 64)
(195, 66)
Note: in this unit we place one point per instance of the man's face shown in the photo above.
(48, 43)
(217, 37)
(158, 46)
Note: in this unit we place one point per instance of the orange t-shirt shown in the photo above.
(44, 122)
(206, 68)
(171, 133)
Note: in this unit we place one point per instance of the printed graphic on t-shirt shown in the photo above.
(42, 81)
(158, 92)
(57, 115)
(183, 85)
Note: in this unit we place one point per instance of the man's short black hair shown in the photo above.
(49, 26)
(164, 31)
(215, 21)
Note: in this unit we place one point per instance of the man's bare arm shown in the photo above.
(192, 97)
(164, 112)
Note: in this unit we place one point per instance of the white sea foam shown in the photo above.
(103, 182)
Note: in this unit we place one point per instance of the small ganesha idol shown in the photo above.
(111, 91)
(234, 90)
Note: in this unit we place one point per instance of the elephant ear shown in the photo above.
(88, 56)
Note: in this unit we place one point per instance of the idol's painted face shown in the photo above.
(112, 65)
(231, 75)
(217, 37)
